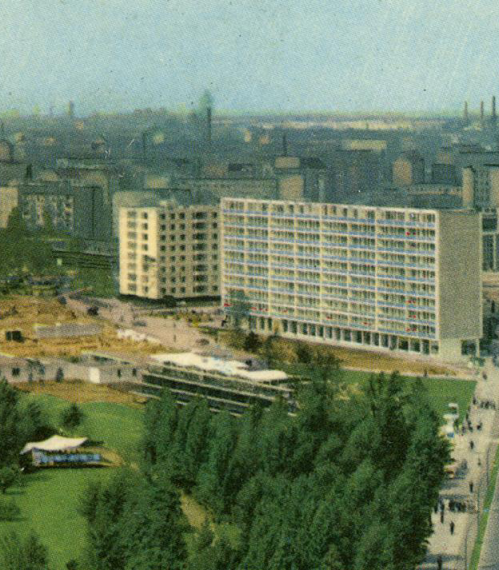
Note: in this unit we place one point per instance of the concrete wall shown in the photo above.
(460, 275)
(67, 331)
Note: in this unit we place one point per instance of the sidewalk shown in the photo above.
(456, 548)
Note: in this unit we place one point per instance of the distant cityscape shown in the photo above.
(340, 229)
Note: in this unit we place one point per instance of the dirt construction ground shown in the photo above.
(22, 313)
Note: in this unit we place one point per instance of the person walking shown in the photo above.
(439, 562)
(472, 445)
(442, 516)
(452, 526)
(471, 486)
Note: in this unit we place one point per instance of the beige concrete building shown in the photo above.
(367, 277)
(9, 199)
(408, 169)
(169, 251)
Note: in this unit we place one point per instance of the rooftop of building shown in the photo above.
(233, 368)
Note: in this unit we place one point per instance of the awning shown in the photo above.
(55, 443)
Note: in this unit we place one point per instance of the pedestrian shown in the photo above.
(442, 516)
(471, 486)
(452, 526)
(439, 562)
(472, 445)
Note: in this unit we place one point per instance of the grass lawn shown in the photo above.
(441, 391)
(48, 503)
(49, 498)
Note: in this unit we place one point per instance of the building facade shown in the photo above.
(481, 187)
(408, 169)
(376, 278)
(169, 251)
(9, 199)
(79, 211)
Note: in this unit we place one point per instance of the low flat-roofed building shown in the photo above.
(226, 384)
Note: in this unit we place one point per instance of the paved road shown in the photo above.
(489, 559)
(171, 333)
(451, 547)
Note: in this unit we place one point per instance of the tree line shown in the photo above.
(346, 483)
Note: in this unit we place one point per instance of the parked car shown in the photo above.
(140, 324)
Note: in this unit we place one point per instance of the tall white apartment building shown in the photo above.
(376, 278)
(169, 251)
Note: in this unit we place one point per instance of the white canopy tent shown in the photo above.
(54, 443)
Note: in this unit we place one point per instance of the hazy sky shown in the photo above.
(324, 55)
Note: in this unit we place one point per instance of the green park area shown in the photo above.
(48, 499)
(441, 391)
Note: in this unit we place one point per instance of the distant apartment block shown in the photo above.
(9, 199)
(408, 169)
(169, 251)
(403, 279)
(462, 156)
(78, 210)
(481, 186)
(443, 174)
(355, 172)
(490, 240)
(301, 178)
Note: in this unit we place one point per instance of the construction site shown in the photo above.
(29, 328)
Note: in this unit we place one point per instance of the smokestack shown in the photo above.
(284, 145)
(208, 125)
(482, 111)
(494, 114)
(465, 113)
(71, 110)
(144, 145)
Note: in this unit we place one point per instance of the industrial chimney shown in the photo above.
(465, 113)
(482, 111)
(208, 125)
(494, 113)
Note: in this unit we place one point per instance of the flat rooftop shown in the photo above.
(220, 366)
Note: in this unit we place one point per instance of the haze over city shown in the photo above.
(343, 56)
